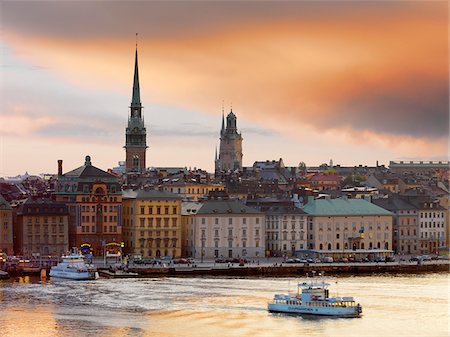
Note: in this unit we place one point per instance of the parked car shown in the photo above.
(291, 261)
(220, 260)
(390, 259)
(379, 259)
(343, 260)
(425, 258)
(414, 258)
(327, 259)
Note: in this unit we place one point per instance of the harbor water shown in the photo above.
(393, 305)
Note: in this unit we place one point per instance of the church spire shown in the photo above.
(136, 99)
(223, 120)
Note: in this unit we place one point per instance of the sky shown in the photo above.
(352, 81)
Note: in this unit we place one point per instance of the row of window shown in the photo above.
(45, 220)
(230, 221)
(37, 228)
(428, 225)
(98, 199)
(93, 209)
(91, 229)
(152, 222)
(346, 246)
(432, 235)
(87, 218)
(274, 225)
(431, 214)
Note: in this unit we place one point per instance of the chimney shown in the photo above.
(60, 167)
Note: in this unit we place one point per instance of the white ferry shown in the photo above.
(73, 267)
(314, 300)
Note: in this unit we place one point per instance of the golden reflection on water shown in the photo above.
(400, 306)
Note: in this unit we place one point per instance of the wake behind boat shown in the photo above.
(314, 300)
(73, 267)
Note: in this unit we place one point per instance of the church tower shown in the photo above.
(230, 152)
(136, 134)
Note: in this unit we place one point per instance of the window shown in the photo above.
(150, 210)
(203, 221)
(244, 221)
(142, 210)
(230, 221)
(216, 221)
(174, 210)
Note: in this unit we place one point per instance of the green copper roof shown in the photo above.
(343, 207)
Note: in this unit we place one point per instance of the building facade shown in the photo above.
(42, 228)
(94, 199)
(348, 226)
(135, 134)
(152, 223)
(432, 226)
(405, 227)
(6, 227)
(286, 230)
(230, 151)
(228, 229)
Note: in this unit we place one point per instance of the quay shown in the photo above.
(285, 270)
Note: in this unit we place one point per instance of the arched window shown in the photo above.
(378, 245)
(136, 162)
(337, 245)
(321, 247)
(362, 245)
(386, 245)
(329, 246)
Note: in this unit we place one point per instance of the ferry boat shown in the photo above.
(314, 300)
(73, 267)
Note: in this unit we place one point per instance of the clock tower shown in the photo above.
(136, 134)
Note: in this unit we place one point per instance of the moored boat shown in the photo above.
(3, 275)
(74, 267)
(314, 300)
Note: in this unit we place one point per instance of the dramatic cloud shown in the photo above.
(369, 77)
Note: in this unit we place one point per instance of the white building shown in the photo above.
(226, 228)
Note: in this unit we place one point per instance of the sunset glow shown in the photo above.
(352, 81)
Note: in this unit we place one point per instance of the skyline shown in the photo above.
(353, 82)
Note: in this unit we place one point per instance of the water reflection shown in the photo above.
(216, 306)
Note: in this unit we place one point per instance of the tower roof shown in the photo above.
(136, 99)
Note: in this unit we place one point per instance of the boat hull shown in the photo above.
(307, 310)
(88, 275)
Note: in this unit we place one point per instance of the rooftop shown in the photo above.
(343, 206)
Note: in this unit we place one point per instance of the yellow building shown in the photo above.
(191, 191)
(6, 227)
(151, 223)
(344, 227)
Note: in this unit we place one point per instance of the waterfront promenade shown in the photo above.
(276, 267)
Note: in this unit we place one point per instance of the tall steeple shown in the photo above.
(136, 98)
(136, 134)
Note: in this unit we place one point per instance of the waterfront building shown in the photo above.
(432, 222)
(286, 230)
(136, 134)
(152, 223)
(230, 151)
(94, 199)
(348, 226)
(42, 228)
(405, 226)
(226, 228)
(6, 227)
(444, 201)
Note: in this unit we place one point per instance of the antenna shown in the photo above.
(136, 39)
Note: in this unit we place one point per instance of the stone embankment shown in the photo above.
(284, 270)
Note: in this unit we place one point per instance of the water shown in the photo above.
(413, 305)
